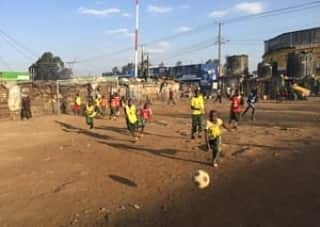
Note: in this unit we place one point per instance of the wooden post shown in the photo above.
(58, 97)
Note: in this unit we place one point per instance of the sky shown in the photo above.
(98, 34)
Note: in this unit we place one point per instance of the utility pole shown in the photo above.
(219, 48)
(147, 74)
(137, 39)
(142, 61)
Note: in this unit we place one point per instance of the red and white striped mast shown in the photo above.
(136, 41)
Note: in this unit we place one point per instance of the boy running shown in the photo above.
(90, 113)
(213, 135)
(252, 100)
(197, 107)
(131, 119)
(236, 108)
(145, 116)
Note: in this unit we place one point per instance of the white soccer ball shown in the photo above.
(201, 179)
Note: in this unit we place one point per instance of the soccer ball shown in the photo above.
(201, 179)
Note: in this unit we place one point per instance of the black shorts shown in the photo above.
(235, 116)
(132, 127)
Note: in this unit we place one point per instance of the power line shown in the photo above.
(18, 44)
(276, 12)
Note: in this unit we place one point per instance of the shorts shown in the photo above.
(132, 126)
(215, 144)
(113, 111)
(235, 116)
(143, 122)
(251, 105)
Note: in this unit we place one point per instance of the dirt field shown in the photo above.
(55, 172)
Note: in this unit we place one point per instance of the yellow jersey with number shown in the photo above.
(198, 103)
(214, 128)
(132, 114)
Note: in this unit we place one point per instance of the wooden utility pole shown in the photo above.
(219, 48)
(58, 97)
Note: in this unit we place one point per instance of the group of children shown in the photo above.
(134, 118)
(138, 118)
(215, 124)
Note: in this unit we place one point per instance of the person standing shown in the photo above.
(236, 108)
(113, 107)
(103, 105)
(130, 111)
(117, 104)
(197, 107)
(77, 105)
(26, 108)
(251, 102)
(219, 96)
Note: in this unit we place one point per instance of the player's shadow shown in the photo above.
(203, 147)
(255, 146)
(124, 131)
(72, 129)
(163, 153)
(123, 180)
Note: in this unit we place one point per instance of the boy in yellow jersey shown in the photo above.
(213, 135)
(77, 105)
(131, 118)
(90, 113)
(197, 107)
(97, 104)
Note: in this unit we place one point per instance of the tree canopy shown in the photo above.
(50, 67)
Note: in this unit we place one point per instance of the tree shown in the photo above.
(50, 67)
(127, 69)
(115, 70)
(213, 61)
(179, 63)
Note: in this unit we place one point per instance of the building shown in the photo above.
(235, 71)
(303, 45)
(294, 57)
(198, 75)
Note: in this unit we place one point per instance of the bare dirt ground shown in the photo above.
(55, 172)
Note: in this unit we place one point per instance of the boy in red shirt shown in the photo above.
(236, 108)
(117, 104)
(145, 116)
(113, 108)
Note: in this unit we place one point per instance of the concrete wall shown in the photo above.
(44, 98)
